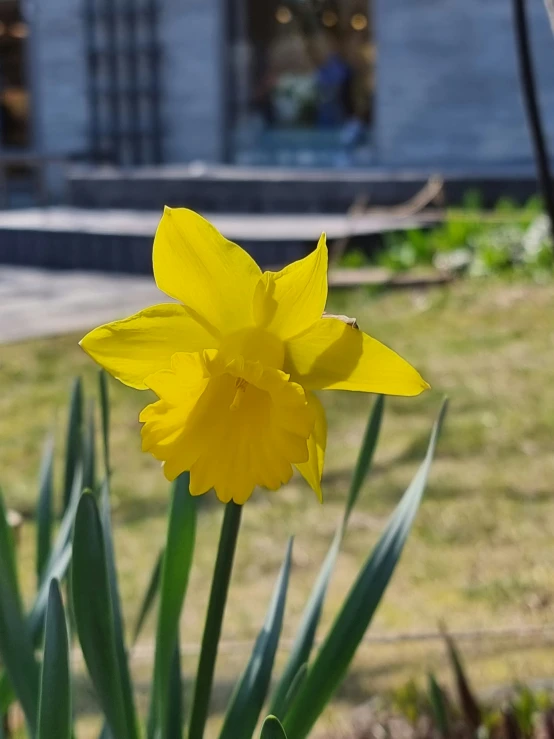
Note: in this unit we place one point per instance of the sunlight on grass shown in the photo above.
(489, 345)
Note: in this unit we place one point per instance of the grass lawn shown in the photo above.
(481, 552)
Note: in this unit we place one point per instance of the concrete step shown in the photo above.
(121, 241)
(275, 190)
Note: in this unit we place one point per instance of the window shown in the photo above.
(14, 94)
(124, 90)
(304, 74)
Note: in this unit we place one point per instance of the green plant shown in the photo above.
(354, 258)
(470, 240)
(406, 249)
(307, 682)
(22, 633)
(524, 714)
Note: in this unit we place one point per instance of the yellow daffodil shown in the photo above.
(235, 362)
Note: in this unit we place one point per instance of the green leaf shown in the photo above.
(511, 727)
(105, 414)
(7, 696)
(438, 706)
(149, 596)
(44, 508)
(295, 686)
(35, 619)
(340, 645)
(365, 457)
(468, 701)
(93, 609)
(58, 562)
(7, 552)
(249, 696)
(73, 445)
(55, 720)
(175, 711)
(105, 732)
(89, 450)
(177, 561)
(16, 649)
(57, 566)
(119, 627)
(272, 729)
(305, 635)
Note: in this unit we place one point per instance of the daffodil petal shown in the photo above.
(331, 355)
(138, 346)
(288, 302)
(196, 265)
(312, 470)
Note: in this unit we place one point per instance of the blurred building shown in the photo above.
(333, 83)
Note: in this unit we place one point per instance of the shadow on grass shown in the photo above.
(537, 496)
(129, 511)
(412, 663)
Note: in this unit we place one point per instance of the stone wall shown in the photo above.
(447, 89)
(57, 61)
(192, 39)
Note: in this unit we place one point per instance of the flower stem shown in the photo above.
(214, 619)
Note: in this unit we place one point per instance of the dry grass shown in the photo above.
(481, 552)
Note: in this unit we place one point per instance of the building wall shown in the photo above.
(192, 39)
(57, 59)
(57, 77)
(447, 88)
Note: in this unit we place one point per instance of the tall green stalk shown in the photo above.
(214, 619)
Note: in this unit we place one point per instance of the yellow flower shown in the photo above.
(235, 362)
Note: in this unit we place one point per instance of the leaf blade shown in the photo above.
(306, 632)
(177, 562)
(468, 701)
(272, 729)
(117, 615)
(55, 684)
(365, 456)
(94, 616)
(175, 708)
(89, 449)
(438, 706)
(73, 444)
(16, 649)
(44, 508)
(251, 691)
(59, 559)
(105, 417)
(150, 595)
(340, 645)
